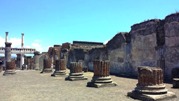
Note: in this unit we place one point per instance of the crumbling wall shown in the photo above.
(144, 42)
(171, 43)
(97, 54)
(119, 48)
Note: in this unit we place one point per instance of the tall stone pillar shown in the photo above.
(60, 67)
(36, 60)
(10, 65)
(101, 75)
(150, 85)
(76, 72)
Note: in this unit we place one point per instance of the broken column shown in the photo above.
(175, 77)
(36, 60)
(150, 85)
(101, 76)
(1, 66)
(47, 63)
(76, 72)
(60, 67)
(10, 65)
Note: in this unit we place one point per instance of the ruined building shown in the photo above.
(150, 43)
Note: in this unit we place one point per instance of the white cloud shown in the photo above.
(2, 40)
(16, 43)
(37, 45)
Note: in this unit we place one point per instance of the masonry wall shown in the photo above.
(171, 27)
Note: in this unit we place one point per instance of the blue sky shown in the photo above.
(49, 22)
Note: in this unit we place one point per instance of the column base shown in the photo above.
(9, 72)
(59, 73)
(47, 70)
(76, 76)
(175, 82)
(151, 97)
(154, 89)
(101, 82)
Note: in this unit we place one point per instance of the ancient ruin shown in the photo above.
(47, 65)
(150, 85)
(76, 72)
(36, 60)
(60, 67)
(10, 65)
(101, 75)
(175, 77)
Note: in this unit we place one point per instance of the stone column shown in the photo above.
(1, 66)
(175, 77)
(150, 85)
(101, 75)
(21, 60)
(10, 65)
(60, 67)
(47, 65)
(18, 59)
(76, 72)
(36, 60)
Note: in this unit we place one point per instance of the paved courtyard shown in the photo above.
(30, 85)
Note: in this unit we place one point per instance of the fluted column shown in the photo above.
(150, 86)
(62, 64)
(101, 68)
(60, 67)
(101, 75)
(47, 65)
(76, 72)
(75, 67)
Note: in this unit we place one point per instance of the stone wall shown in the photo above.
(151, 43)
(171, 27)
(144, 42)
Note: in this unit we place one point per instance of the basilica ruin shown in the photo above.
(153, 44)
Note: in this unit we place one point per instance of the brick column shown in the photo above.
(10, 65)
(101, 75)
(60, 67)
(76, 72)
(47, 62)
(150, 85)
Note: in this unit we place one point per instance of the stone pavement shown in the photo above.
(30, 85)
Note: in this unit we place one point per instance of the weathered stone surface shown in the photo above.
(60, 67)
(10, 68)
(144, 41)
(175, 77)
(1, 66)
(120, 58)
(116, 41)
(36, 60)
(47, 65)
(76, 72)
(101, 76)
(41, 61)
(150, 85)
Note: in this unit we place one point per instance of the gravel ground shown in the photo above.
(30, 85)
